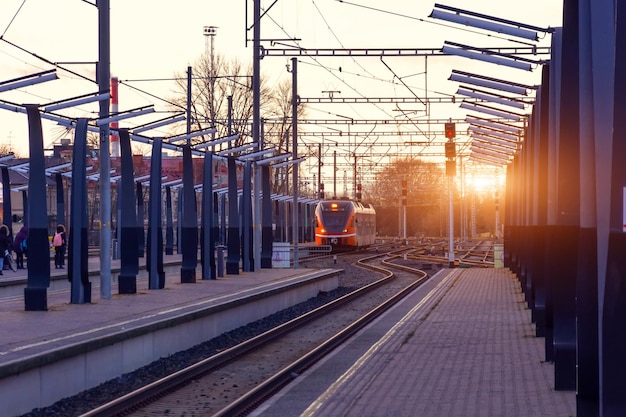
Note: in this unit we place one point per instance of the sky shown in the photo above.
(151, 41)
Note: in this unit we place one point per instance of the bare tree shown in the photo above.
(279, 109)
(425, 182)
(212, 86)
(211, 89)
(7, 149)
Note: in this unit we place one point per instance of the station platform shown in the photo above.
(12, 282)
(49, 355)
(461, 345)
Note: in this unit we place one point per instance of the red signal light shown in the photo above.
(450, 130)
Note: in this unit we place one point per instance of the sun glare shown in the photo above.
(484, 182)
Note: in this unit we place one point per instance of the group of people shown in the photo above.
(19, 245)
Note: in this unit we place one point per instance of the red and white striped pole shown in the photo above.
(115, 138)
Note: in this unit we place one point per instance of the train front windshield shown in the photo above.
(334, 216)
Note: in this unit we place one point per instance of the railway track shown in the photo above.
(475, 254)
(234, 381)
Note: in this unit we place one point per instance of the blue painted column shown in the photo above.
(60, 198)
(510, 241)
(129, 265)
(223, 219)
(540, 174)
(282, 221)
(612, 290)
(564, 236)
(77, 266)
(25, 206)
(169, 222)
(552, 207)
(528, 196)
(277, 218)
(179, 220)
(118, 217)
(189, 233)
(247, 252)
(587, 343)
(141, 236)
(508, 215)
(207, 236)
(527, 151)
(288, 212)
(267, 239)
(234, 246)
(215, 231)
(7, 210)
(154, 259)
(38, 281)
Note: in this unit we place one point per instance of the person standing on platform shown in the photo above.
(20, 246)
(59, 242)
(4, 245)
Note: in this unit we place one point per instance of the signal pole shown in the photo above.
(404, 194)
(450, 132)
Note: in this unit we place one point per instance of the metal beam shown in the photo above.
(398, 100)
(374, 52)
(392, 122)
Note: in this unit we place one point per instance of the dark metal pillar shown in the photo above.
(38, 281)
(207, 237)
(129, 259)
(509, 217)
(266, 219)
(7, 217)
(215, 231)
(154, 259)
(278, 220)
(141, 236)
(587, 342)
(179, 220)
(77, 266)
(169, 222)
(552, 207)
(234, 246)
(25, 206)
(223, 219)
(563, 241)
(60, 198)
(541, 187)
(247, 253)
(612, 290)
(189, 233)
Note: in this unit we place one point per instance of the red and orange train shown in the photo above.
(345, 224)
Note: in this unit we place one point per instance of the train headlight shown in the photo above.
(345, 230)
(323, 230)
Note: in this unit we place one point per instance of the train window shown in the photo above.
(334, 221)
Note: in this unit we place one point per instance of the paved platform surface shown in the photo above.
(93, 264)
(26, 333)
(463, 346)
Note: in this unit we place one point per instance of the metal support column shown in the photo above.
(35, 293)
(141, 234)
(189, 233)
(266, 227)
(77, 266)
(154, 258)
(129, 259)
(207, 237)
(234, 246)
(169, 222)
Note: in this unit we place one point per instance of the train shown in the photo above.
(345, 224)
